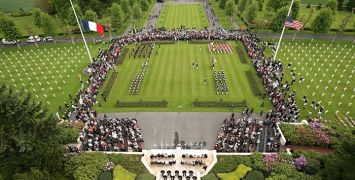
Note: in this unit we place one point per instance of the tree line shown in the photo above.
(117, 14)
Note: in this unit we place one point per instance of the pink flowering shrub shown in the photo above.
(270, 161)
(300, 162)
(319, 133)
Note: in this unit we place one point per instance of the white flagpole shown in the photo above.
(81, 31)
(283, 30)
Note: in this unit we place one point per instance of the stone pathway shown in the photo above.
(153, 18)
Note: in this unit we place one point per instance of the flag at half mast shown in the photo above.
(289, 22)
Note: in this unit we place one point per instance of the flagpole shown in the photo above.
(283, 30)
(81, 31)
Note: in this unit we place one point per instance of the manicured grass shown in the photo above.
(170, 76)
(317, 61)
(188, 15)
(8, 6)
(121, 173)
(49, 72)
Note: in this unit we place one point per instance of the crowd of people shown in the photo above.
(269, 70)
(112, 134)
(247, 135)
(220, 82)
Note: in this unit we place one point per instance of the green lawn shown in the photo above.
(331, 61)
(8, 6)
(170, 76)
(50, 72)
(188, 15)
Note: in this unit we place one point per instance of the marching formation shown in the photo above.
(221, 82)
(220, 47)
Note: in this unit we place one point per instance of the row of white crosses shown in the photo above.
(327, 70)
(40, 71)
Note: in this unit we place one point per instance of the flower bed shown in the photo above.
(312, 135)
(242, 57)
(162, 104)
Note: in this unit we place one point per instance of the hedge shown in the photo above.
(106, 176)
(130, 162)
(221, 103)
(110, 84)
(243, 59)
(145, 177)
(253, 83)
(210, 176)
(122, 56)
(120, 173)
(162, 104)
(255, 175)
(239, 173)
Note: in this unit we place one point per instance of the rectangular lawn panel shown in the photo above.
(171, 77)
(188, 15)
(328, 72)
(49, 72)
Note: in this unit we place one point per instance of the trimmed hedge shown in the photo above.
(239, 173)
(145, 177)
(109, 86)
(253, 83)
(121, 173)
(243, 59)
(162, 104)
(221, 103)
(255, 175)
(122, 56)
(106, 176)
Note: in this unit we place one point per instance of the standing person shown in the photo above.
(196, 66)
(193, 64)
(205, 81)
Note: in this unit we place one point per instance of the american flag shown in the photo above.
(289, 22)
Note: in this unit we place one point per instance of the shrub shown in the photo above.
(34, 173)
(239, 173)
(130, 162)
(68, 134)
(106, 176)
(162, 104)
(145, 177)
(226, 164)
(110, 84)
(257, 161)
(210, 176)
(235, 104)
(86, 165)
(308, 5)
(121, 173)
(253, 83)
(255, 175)
(241, 55)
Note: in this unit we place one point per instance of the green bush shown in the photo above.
(68, 134)
(226, 164)
(210, 176)
(120, 173)
(239, 173)
(162, 104)
(257, 161)
(145, 177)
(255, 175)
(253, 83)
(86, 165)
(242, 57)
(110, 84)
(236, 104)
(20, 13)
(33, 174)
(130, 162)
(106, 176)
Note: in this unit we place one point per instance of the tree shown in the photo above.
(322, 21)
(230, 8)
(340, 4)
(34, 173)
(44, 5)
(28, 134)
(250, 13)
(116, 16)
(137, 11)
(332, 5)
(242, 5)
(275, 5)
(319, 6)
(71, 16)
(222, 3)
(279, 19)
(295, 9)
(144, 5)
(47, 25)
(125, 6)
(350, 5)
(90, 15)
(261, 4)
(8, 29)
(36, 14)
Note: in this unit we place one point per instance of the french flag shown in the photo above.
(92, 26)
